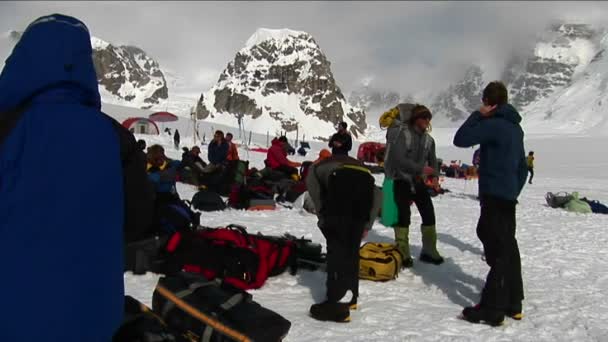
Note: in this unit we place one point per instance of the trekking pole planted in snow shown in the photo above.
(267, 138)
(249, 142)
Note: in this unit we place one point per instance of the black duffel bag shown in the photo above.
(142, 325)
(146, 255)
(214, 312)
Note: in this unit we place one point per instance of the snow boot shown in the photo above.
(328, 311)
(477, 314)
(429, 252)
(515, 312)
(403, 245)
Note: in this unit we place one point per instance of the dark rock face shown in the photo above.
(460, 99)
(294, 65)
(536, 77)
(128, 73)
(530, 77)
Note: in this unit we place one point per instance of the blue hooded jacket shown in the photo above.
(503, 170)
(61, 192)
(217, 153)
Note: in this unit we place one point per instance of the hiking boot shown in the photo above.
(429, 252)
(407, 263)
(403, 242)
(515, 312)
(326, 311)
(353, 304)
(477, 314)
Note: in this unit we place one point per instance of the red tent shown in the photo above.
(141, 126)
(163, 117)
(368, 151)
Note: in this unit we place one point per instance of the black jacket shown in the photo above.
(138, 191)
(345, 139)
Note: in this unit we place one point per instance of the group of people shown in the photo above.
(45, 218)
(222, 152)
(409, 162)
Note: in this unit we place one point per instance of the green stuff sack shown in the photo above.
(576, 205)
(390, 213)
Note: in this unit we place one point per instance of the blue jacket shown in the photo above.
(218, 153)
(61, 193)
(164, 180)
(502, 171)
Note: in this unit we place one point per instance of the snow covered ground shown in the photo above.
(564, 258)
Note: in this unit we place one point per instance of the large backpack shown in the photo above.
(212, 311)
(207, 201)
(577, 205)
(348, 196)
(379, 261)
(175, 215)
(596, 206)
(241, 195)
(240, 259)
(558, 200)
(142, 325)
(399, 136)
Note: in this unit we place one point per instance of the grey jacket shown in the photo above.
(317, 179)
(408, 150)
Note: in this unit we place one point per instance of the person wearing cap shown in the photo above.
(341, 142)
(410, 160)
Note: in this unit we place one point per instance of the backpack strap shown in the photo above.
(407, 135)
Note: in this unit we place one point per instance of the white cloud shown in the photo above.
(408, 46)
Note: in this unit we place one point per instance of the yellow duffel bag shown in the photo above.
(379, 261)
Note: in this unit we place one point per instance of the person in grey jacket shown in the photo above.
(342, 190)
(410, 159)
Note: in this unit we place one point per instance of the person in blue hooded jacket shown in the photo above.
(61, 228)
(495, 127)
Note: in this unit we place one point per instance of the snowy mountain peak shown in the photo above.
(127, 75)
(280, 81)
(98, 44)
(277, 35)
(574, 30)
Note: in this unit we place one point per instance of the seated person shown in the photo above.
(192, 165)
(233, 153)
(217, 152)
(276, 159)
(162, 172)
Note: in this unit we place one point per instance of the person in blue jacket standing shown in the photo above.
(61, 228)
(495, 127)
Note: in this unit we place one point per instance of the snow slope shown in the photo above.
(563, 258)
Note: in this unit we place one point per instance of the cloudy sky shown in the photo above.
(405, 46)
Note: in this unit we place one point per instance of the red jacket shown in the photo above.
(277, 155)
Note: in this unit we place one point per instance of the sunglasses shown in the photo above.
(424, 116)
